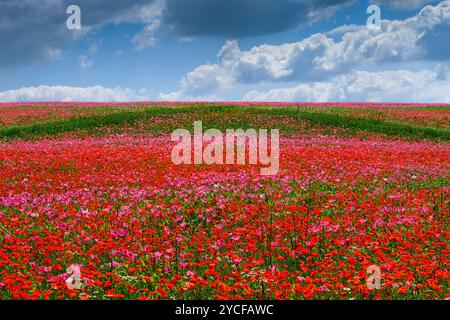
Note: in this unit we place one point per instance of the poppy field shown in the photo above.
(94, 186)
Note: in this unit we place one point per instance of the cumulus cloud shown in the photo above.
(384, 86)
(32, 29)
(29, 30)
(324, 55)
(64, 93)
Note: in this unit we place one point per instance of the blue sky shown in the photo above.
(259, 50)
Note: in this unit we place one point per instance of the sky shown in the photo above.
(225, 50)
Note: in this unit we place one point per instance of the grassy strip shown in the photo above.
(311, 116)
(366, 124)
(79, 123)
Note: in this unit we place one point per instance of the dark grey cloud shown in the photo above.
(240, 18)
(33, 30)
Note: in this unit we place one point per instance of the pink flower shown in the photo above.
(43, 270)
(75, 269)
(156, 255)
(119, 233)
(236, 260)
(323, 288)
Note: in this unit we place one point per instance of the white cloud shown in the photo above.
(64, 93)
(323, 55)
(146, 38)
(84, 62)
(152, 15)
(384, 86)
(199, 83)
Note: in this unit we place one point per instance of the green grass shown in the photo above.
(240, 120)
(79, 123)
(370, 125)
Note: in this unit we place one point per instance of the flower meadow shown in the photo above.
(110, 201)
